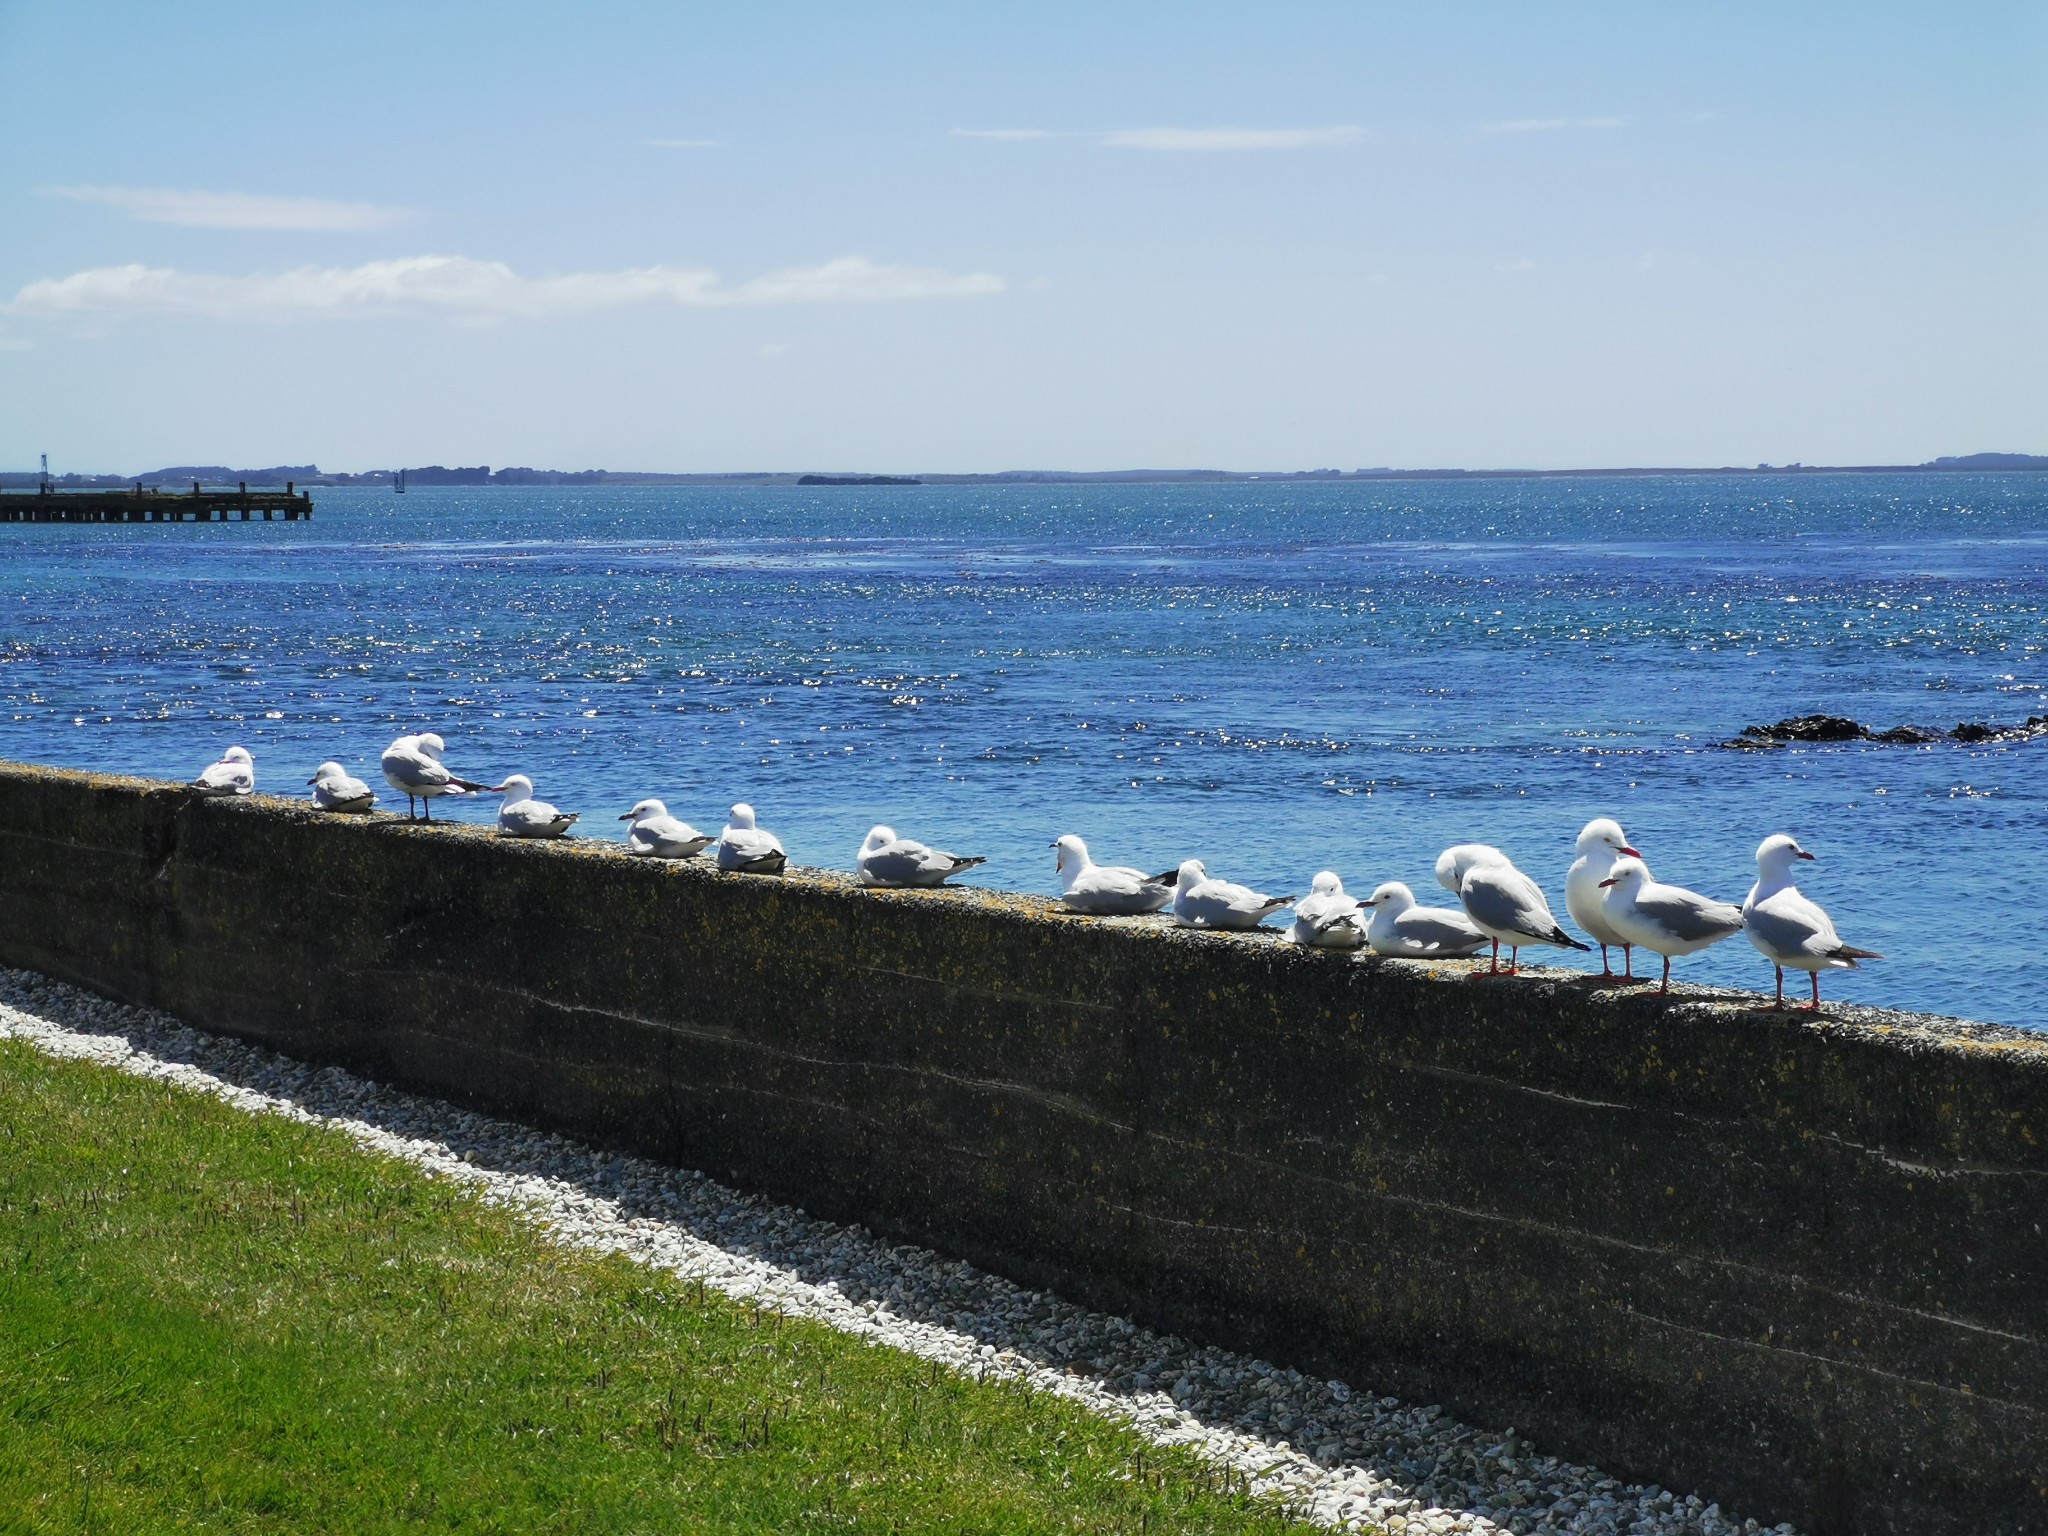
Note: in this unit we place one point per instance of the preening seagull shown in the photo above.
(1600, 844)
(891, 861)
(1507, 906)
(412, 766)
(1199, 902)
(234, 774)
(523, 816)
(1452, 863)
(1326, 918)
(1107, 890)
(747, 848)
(1788, 929)
(334, 789)
(1665, 919)
(1399, 927)
(657, 835)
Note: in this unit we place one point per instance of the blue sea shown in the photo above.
(1276, 677)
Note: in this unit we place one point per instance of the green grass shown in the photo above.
(221, 1322)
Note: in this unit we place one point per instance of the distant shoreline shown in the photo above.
(482, 476)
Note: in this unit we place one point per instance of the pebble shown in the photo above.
(1336, 1453)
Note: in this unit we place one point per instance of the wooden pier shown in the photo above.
(151, 504)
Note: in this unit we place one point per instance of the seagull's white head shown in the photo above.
(328, 771)
(1453, 862)
(1326, 883)
(236, 755)
(430, 744)
(645, 809)
(1072, 854)
(741, 817)
(517, 786)
(1604, 835)
(1394, 896)
(1776, 854)
(1627, 875)
(878, 837)
(1192, 873)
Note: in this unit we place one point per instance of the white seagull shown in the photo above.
(1787, 928)
(234, 774)
(1399, 927)
(523, 816)
(657, 835)
(1507, 906)
(1107, 890)
(1452, 863)
(335, 789)
(1326, 918)
(749, 849)
(1199, 902)
(1665, 919)
(890, 861)
(1600, 844)
(412, 766)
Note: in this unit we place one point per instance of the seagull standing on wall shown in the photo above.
(1504, 904)
(1600, 844)
(1107, 890)
(1788, 929)
(234, 774)
(334, 789)
(748, 849)
(889, 861)
(412, 766)
(657, 835)
(1667, 920)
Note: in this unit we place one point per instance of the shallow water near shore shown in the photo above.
(1278, 678)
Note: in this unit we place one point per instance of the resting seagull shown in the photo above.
(1508, 907)
(1600, 844)
(1326, 918)
(1787, 928)
(748, 849)
(1107, 890)
(412, 766)
(523, 816)
(1665, 919)
(334, 789)
(888, 861)
(1399, 927)
(1452, 863)
(657, 835)
(234, 774)
(1199, 902)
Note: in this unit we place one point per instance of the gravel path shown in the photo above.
(1340, 1456)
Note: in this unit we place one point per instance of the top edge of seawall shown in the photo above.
(1706, 1005)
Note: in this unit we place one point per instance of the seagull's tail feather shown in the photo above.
(474, 788)
(1559, 937)
(570, 819)
(1171, 877)
(1275, 903)
(1850, 954)
(960, 864)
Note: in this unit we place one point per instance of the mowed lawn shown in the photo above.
(223, 1322)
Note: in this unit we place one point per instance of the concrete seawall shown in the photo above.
(1800, 1266)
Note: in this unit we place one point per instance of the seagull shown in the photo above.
(1600, 844)
(1665, 919)
(1107, 890)
(1452, 863)
(749, 849)
(1786, 927)
(412, 766)
(1199, 902)
(657, 835)
(335, 790)
(1326, 918)
(1399, 927)
(888, 860)
(1505, 905)
(234, 774)
(523, 816)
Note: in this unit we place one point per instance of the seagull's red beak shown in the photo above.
(627, 817)
(1631, 853)
(1807, 856)
(1605, 883)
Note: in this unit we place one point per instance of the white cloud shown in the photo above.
(682, 143)
(1196, 139)
(234, 210)
(470, 290)
(1006, 134)
(1550, 124)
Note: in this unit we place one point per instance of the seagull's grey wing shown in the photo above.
(1503, 903)
(1437, 930)
(1788, 924)
(899, 863)
(1688, 915)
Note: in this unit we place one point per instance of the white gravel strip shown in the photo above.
(1339, 1456)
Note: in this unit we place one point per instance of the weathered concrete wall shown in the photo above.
(1798, 1265)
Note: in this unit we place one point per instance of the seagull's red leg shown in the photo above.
(1628, 962)
(1494, 968)
(1815, 1007)
(1605, 968)
(1666, 988)
(1780, 1003)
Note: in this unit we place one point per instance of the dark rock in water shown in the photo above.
(1748, 743)
(1801, 728)
(1971, 730)
(1909, 736)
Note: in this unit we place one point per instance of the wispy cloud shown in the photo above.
(234, 210)
(1550, 124)
(1007, 134)
(475, 291)
(682, 143)
(1214, 139)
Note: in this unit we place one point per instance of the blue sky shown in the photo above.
(977, 237)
